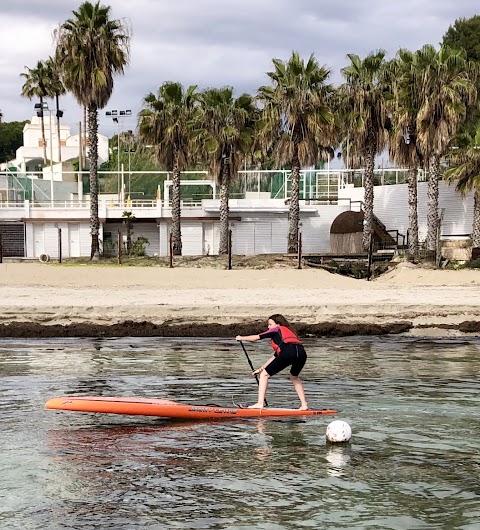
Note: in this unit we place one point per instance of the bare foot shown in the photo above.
(303, 407)
(256, 406)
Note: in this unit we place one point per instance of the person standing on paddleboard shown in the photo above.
(288, 351)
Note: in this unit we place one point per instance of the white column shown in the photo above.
(51, 159)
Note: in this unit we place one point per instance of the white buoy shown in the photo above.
(339, 431)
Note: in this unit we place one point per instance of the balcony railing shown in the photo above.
(315, 185)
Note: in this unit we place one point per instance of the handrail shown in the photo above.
(10, 173)
(37, 187)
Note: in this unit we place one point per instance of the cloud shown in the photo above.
(218, 42)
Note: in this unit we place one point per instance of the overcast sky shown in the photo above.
(214, 43)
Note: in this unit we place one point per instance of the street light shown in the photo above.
(40, 108)
(129, 151)
(115, 114)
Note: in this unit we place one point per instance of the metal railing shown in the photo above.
(132, 203)
(315, 185)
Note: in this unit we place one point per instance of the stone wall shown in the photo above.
(457, 250)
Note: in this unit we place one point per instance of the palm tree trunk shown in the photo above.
(129, 225)
(58, 129)
(412, 213)
(224, 209)
(93, 157)
(368, 198)
(44, 142)
(476, 225)
(294, 212)
(432, 213)
(176, 209)
(84, 145)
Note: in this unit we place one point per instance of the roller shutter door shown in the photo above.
(13, 239)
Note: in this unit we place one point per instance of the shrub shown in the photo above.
(473, 264)
(139, 245)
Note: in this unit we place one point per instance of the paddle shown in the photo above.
(251, 366)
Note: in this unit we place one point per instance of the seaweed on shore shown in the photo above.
(188, 329)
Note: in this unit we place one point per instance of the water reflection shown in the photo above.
(337, 456)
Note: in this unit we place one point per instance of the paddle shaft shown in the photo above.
(251, 366)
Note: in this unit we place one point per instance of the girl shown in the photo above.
(288, 351)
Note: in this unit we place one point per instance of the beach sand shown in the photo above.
(52, 294)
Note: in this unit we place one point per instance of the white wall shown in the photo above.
(391, 207)
(257, 232)
(148, 230)
(268, 234)
(42, 238)
(316, 229)
(192, 238)
(197, 237)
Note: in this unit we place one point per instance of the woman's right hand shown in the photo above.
(257, 371)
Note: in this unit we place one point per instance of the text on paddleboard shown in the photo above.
(211, 409)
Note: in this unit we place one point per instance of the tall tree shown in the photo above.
(405, 73)
(35, 86)
(448, 91)
(297, 120)
(11, 138)
(55, 89)
(465, 34)
(166, 122)
(365, 94)
(224, 134)
(91, 49)
(464, 168)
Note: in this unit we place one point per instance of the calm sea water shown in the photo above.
(413, 461)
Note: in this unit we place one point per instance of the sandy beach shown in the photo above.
(52, 294)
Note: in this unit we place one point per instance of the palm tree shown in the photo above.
(224, 134)
(166, 122)
(35, 86)
(405, 73)
(364, 101)
(297, 121)
(55, 89)
(448, 91)
(91, 48)
(465, 169)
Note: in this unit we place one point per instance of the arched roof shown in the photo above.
(347, 223)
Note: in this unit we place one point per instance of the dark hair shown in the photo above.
(280, 320)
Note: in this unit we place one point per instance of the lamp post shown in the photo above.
(40, 109)
(115, 115)
(129, 150)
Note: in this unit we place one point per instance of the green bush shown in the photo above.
(139, 245)
(108, 248)
(473, 264)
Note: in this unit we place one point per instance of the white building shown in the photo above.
(30, 156)
(259, 224)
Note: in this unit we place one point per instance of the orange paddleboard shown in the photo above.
(166, 408)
